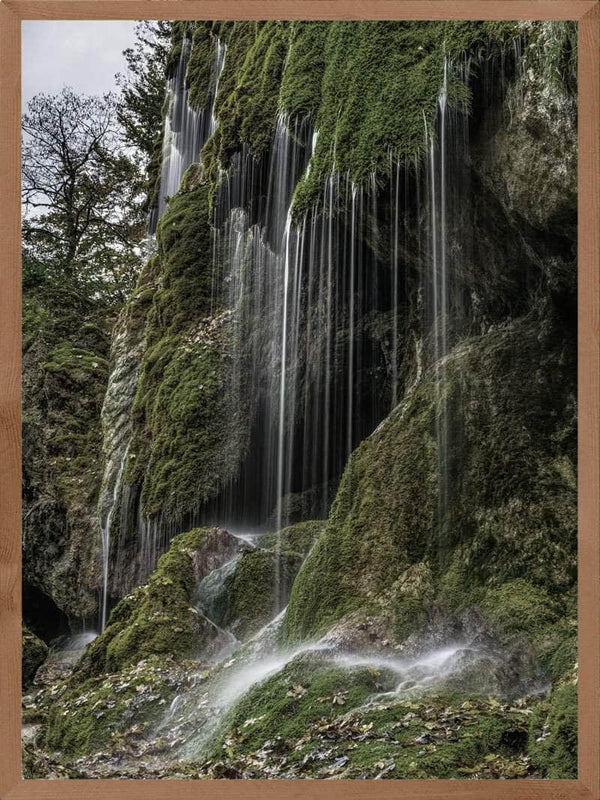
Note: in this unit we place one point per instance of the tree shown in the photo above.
(82, 196)
(143, 87)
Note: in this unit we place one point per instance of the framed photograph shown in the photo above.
(299, 368)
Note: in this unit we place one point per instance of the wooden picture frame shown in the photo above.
(587, 13)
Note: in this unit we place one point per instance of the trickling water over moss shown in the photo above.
(325, 729)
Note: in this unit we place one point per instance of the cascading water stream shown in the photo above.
(446, 184)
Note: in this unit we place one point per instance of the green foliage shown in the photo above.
(82, 197)
(143, 85)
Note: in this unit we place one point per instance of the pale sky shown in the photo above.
(83, 54)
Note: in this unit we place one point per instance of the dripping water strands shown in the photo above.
(106, 542)
(447, 186)
(186, 129)
(300, 355)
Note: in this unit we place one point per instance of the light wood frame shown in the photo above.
(587, 13)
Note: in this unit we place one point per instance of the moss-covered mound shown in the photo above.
(160, 617)
(510, 513)
(325, 730)
(34, 653)
(260, 588)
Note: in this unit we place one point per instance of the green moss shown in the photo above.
(306, 690)
(310, 721)
(564, 659)
(413, 595)
(260, 587)
(187, 422)
(380, 522)
(518, 605)
(90, 716)
(300, 92)
(33, 654)
(199, 67)
(248, 109)
(553, 734)
(65, 374)
(298, 538)
(361, 81)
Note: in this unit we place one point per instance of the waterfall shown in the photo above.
(299, 290)
(186, 129)
(316, 304)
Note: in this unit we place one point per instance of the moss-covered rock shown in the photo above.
(161, 617)
(298, 538)
(34, 653)
(188, 427)
(65, 374)
(511, 511)
(90, 716)
(260, 588)
(553, 733)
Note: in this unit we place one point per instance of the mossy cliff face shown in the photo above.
(304, 68)
(65, 374)
(188, 429)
